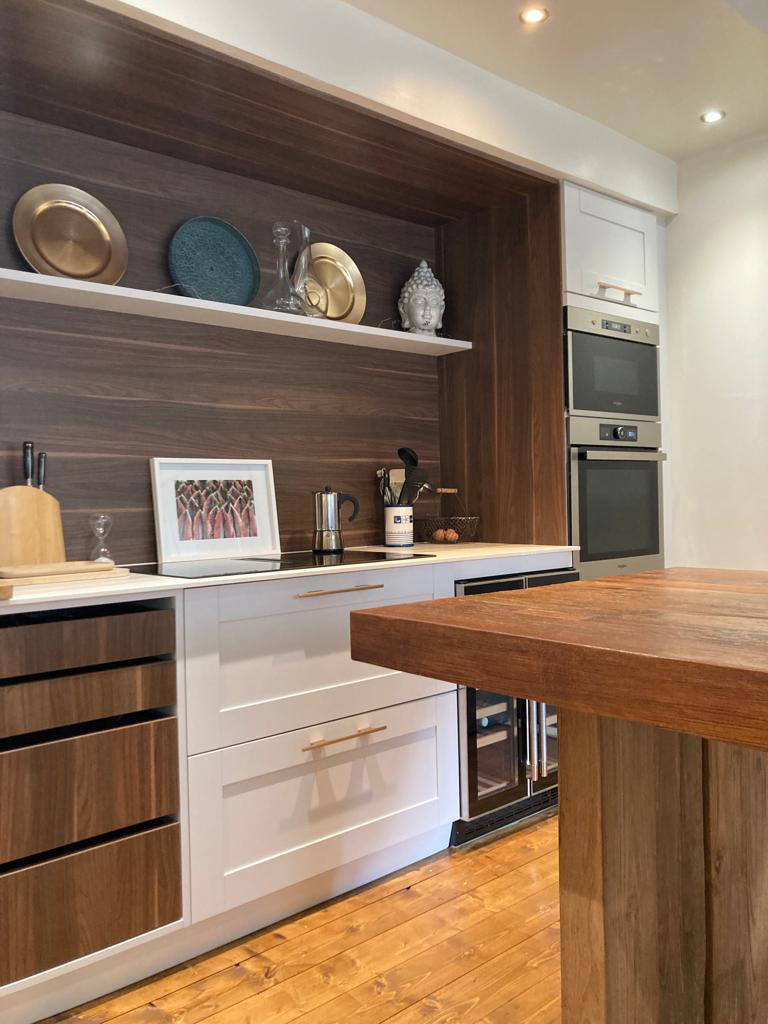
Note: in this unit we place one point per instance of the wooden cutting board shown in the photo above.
(10, 587)
(30, 527)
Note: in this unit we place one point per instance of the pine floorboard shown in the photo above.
(470, 936)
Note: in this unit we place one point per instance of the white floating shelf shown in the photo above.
(65, 291)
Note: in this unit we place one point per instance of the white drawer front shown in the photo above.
(267, 814)
(266, 658)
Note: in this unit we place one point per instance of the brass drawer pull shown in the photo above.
(342, 590)
(316, 744)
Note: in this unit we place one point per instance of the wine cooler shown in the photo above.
(507, 745)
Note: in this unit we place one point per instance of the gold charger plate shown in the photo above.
(339, 276)
(64, 231)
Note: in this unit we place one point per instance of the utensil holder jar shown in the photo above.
(398, 526)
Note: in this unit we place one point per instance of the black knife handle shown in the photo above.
(42, 459)
(29, 462)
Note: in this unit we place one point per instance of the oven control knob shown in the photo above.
(620, 433)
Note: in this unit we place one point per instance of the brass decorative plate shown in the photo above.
(64, 231)
(339, 275)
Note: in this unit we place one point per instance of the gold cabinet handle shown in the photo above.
(342, 590)
(316, 744)
(619, 288)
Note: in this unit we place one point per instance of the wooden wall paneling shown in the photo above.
(145, 88)
(38, 704)
(151, 195)
(103, 394)
(501, 405)
(67, 790)
(65, 908)
(34, 648)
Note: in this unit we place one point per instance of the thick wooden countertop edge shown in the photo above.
(692, 698)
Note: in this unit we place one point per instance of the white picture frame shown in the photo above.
(182, 488)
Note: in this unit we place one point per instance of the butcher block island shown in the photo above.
(661, 679)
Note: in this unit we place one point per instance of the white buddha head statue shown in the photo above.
(422, 302)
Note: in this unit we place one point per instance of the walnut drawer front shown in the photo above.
(64, 791)
(38, 704)
(67, 907)
(55, 644)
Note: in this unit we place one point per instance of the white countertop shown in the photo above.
(139, 585)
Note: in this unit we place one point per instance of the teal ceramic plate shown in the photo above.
(209, 259)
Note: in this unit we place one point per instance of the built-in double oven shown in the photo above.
(614, 443)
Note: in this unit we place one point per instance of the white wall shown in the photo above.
(347, 52)
(715, 401)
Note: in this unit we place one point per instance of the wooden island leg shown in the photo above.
(663, 876)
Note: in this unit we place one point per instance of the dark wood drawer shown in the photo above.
(78, 640)
(57, 793)
(38, 704)
(61, 909)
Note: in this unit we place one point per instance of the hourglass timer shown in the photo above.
(101, 524)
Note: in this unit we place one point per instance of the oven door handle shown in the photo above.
(625, 455)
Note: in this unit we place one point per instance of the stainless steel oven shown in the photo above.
(612, 365)
(615, 495)
(507, 745)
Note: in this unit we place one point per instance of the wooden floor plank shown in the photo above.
(407, 948)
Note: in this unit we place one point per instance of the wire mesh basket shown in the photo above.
(448, 529)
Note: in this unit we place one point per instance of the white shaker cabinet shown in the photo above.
(275, 812)
(610, 250)
(267, 657)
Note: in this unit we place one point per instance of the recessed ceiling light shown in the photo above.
(712, 116)
(534, 15)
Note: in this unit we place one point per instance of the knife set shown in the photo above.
(31, 537)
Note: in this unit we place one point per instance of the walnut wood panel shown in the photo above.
(65, 908)
(38, 704)
(684, 649)
(32, 648)
(105, 393)
(501, 405)
(155, 91)
(151, 195)
(67, 790)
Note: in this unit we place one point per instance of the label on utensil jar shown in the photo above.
(398, 526)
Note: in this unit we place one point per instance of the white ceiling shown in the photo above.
(647, 68)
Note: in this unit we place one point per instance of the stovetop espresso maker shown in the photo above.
(327, 536)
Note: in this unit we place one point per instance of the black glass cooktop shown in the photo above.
(289, 560)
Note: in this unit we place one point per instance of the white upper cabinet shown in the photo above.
(610, 250)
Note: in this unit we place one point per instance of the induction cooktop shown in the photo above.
(280, 563)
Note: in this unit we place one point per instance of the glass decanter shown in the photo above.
(313, 295)
(101, 524)
(283, 297)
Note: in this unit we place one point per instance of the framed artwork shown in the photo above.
(214, 508)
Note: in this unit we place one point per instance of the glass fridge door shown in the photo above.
(495, 769)
(548, 753)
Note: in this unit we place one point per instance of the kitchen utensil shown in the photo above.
(12, 572)
(408, 456)
(209, 258)
(42, 462)
(283, 297)
(8, 587)
(449, 529)
(28, 461)
(30, 527)
(415, 478)
(64, 231)
(339, 275)
(327, 537)
(398, 526)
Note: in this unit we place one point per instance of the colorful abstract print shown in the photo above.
(215, 509)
